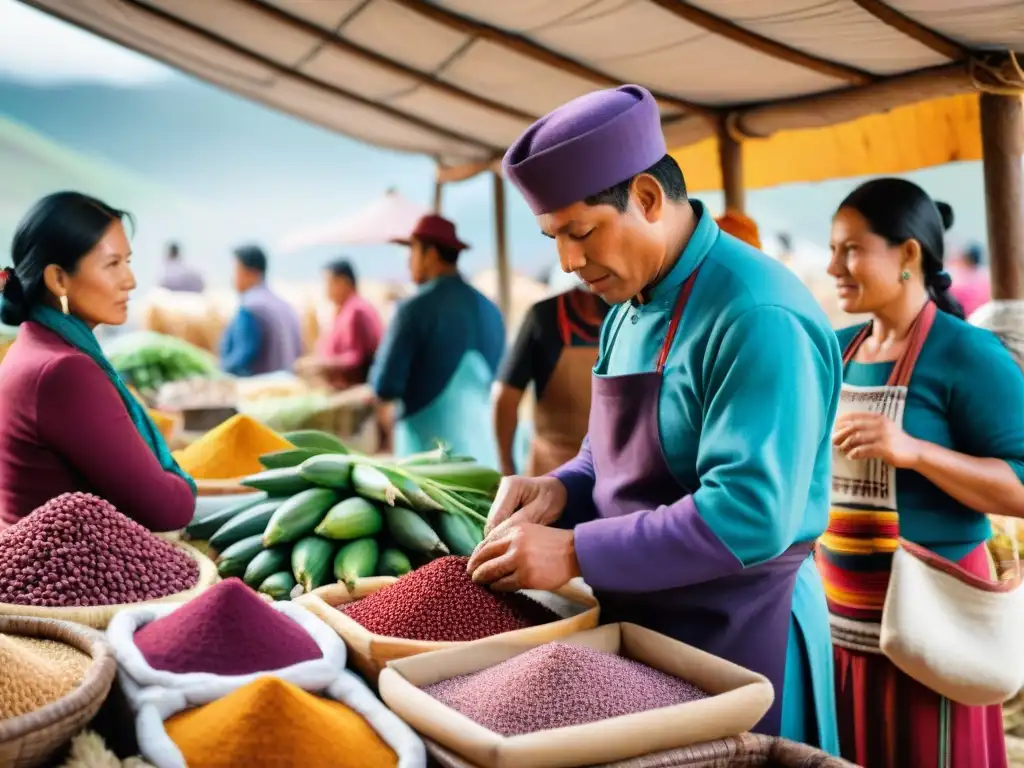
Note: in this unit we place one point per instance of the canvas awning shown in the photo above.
(460, 79)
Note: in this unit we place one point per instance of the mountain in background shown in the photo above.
(246, 172)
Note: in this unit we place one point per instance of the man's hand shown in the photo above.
(525, 556)
(539, 500)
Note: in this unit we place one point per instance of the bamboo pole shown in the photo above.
(501, 247)
(1002, 143)
(438, 195)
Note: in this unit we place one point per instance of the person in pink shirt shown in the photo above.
(345, 350)
(971, 286)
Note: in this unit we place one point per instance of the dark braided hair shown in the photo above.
(898, 210)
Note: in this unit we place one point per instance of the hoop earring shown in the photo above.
(905, 276)
(64, 305)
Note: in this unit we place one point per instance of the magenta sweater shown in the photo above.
(64, 428)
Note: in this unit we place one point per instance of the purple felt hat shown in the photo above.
(586, 146)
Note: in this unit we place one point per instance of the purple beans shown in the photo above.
(559, 685)
(77, 550)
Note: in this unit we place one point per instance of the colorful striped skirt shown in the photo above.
(887, 719)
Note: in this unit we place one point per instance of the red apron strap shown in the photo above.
(677, 316)
(904, 368)
(563, 322)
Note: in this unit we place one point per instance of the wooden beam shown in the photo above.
(332, 40)
(929, 38)
(730, 157)
(716, 25)
(501, 247)
(239, 50)
(538, 53)
(1002, 144)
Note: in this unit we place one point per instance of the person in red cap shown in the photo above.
(440, 353)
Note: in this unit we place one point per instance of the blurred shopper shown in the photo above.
(266, 335)
(929, 441)
(555, 350)
(740, 226)
(345, 350)
(971, 285)
(440, 353)
(177, 275)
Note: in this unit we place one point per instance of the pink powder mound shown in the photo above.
(228, 630)
(559, 685)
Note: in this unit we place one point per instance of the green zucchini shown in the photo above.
(460, 536)
(204, 527)
(290, 457)
(316, 440)
(235, 559)
(356, 560)
(393, 562)
(311, 562)
(413, 533)
(460, 474)
(351, 519)
(370, 483)
(328, 470)
(248, 523)
(278, 585)
(278, 482)
(265, 564)
(299, 515)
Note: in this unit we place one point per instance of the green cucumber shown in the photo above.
(316, 440)
(311, 562)
(278, 482)
(458, 533)
(247, 523)
(356, 560)
(351, 519)
(204, 527)
(460, 474)
(412, 532)
(328, 470)
(265, 564)
(278, 585)
(290, 457)
(393, 562)
(299, 516)
(235, 559)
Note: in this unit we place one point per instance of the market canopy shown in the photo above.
(387, 218)
(460, 79)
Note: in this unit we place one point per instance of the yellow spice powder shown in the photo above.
(230, 450)
(269, 724)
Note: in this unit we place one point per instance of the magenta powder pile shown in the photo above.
(440, 603)
(559, 685)
(228, 630)
(77, 550)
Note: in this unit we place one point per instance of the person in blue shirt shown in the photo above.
(266, 335)
(694, 503)
(440, 353)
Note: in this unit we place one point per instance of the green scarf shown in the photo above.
(77, 334)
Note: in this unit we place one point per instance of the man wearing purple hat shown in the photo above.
(441, 351)
(704, 479)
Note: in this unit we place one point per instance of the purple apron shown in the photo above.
(744, 617)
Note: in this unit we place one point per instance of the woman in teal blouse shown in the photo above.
(929, 440)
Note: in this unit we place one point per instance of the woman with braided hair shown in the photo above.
(929, 440)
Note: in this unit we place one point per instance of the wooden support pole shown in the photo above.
(1002, 143)
(501, 246)
(438, 195)
(730, 157)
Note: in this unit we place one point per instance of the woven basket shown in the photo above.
(98, 616)
(35, 738)
(746, 751)
(370, 653)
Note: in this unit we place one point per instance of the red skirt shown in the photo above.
(888, 720)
